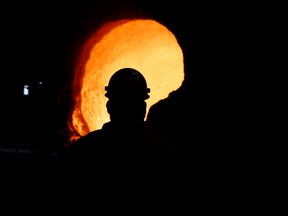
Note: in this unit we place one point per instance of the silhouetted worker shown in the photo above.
(125, 146)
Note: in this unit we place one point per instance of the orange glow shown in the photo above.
(143, 44)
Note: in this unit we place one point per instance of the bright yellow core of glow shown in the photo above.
(142, 44)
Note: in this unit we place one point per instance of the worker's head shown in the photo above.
(126, 92)
(127, 83)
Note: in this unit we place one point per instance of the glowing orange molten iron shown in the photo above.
(145, 45)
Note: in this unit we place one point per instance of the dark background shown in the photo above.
(212, 117)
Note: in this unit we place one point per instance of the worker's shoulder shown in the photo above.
(87, 142)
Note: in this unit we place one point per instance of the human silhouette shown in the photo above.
(125, 147)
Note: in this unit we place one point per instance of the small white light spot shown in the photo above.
(26, 90)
